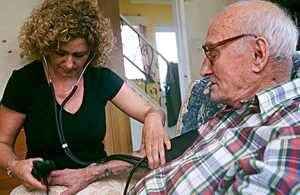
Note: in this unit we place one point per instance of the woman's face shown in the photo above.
(69, 59)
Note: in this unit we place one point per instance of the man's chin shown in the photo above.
(217, 97)
(214, 96)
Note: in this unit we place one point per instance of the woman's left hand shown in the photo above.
(154, 135)
(153, 140)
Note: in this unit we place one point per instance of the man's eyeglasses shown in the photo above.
(207, 48)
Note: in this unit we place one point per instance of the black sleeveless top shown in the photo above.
(28, 92)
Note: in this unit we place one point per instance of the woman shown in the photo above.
(69, 41)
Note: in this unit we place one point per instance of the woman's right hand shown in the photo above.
(21, 170)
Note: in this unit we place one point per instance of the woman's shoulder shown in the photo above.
(29, 72)
(98, 70)
(103, 78)
(30, 69)
(101, 72)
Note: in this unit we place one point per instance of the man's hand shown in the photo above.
(78, 179)
(75, 180)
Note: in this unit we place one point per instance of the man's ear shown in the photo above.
(260, 54)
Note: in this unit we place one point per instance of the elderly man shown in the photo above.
(252, 146)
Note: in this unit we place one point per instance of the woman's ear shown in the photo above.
(260, 54)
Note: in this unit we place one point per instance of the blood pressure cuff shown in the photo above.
(180, 144)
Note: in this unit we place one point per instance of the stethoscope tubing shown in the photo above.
(136, 161)
(59, 125)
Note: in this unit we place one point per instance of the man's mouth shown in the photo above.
(212, 83)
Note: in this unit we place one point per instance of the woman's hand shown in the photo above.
(22, 171)
(154, 135)
(153, 140)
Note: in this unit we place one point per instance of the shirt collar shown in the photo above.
(276, 96)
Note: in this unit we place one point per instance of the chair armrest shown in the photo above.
(183, 108)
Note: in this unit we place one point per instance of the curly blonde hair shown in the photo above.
(55, 22)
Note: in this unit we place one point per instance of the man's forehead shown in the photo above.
(223, 26)
(218, 33)
(229, 20)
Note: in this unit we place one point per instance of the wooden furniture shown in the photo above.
(118, 123)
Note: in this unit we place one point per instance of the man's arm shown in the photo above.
(277, 172)
(78, 179)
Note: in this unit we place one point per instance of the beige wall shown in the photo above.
(199, 15)
(12, 14)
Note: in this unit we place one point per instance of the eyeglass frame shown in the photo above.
(206, 48)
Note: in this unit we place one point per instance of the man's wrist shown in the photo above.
(96, 171)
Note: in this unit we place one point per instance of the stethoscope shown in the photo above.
(136, 161)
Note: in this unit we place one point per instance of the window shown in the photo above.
(131, 50)
(165, 43)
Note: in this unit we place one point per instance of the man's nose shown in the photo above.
(206, 68)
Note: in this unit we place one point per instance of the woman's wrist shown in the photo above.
(8, 170)
(157, 114)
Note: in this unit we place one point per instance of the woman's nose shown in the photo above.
(206, 68)
(69, 62)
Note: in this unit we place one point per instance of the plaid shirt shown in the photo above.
(251, 148)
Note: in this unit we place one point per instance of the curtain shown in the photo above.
(144, 48)
(173, 99)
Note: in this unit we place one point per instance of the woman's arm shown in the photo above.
(154, 135)
(10, 125)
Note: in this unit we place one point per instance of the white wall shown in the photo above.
(12, 14)
(199, 15)
(191, 20)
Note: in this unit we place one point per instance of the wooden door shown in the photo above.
(118, 133)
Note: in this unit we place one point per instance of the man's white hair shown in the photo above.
(275, 25)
